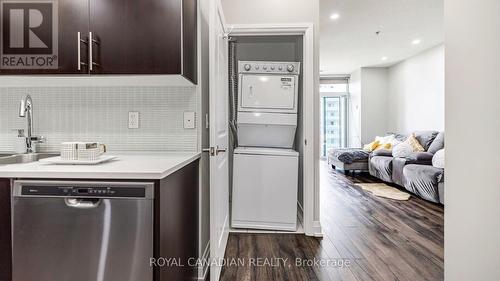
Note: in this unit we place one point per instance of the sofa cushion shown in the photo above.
(425, 138)
(437, 144)
(420, 158)
(438, 159)
(381, 167)
(423, 181)
(382, 152)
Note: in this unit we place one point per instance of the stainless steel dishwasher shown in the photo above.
(82, 231)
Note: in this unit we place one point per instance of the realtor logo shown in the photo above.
(29, 35)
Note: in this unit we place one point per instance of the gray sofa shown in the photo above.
(415, 172)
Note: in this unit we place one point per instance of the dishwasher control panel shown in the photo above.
(83, 191)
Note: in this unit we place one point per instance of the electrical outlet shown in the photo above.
(133, 120)
(189, 120)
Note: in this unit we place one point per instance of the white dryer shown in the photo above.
(267, 103)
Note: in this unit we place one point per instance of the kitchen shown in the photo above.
(121, 82)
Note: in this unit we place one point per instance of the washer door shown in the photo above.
(268, 93)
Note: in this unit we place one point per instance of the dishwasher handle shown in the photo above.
(82, 203)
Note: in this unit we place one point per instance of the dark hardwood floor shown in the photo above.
(365, 238)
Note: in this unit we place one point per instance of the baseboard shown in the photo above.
(203, 270)
(317, 229)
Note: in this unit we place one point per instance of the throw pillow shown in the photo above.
(402, 150)
(425, 138)
(396, 142)
(387, 146)
(386, 139)
(437, 143)
(413, 142)
(438, 159)
(372, 146)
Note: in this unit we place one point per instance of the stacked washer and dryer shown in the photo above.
(265, 166)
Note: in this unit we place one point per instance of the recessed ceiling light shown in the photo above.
(416, 41)
(383, 58)
(334, 16)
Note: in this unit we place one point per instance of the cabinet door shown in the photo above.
(5, 231)
(190, 40)
(42, 37)
(136, 37)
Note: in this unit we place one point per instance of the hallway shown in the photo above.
(372, 238)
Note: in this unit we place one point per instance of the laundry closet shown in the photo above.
(266, 124)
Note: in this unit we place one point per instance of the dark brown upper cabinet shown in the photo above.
(43, 38)
(107, 37)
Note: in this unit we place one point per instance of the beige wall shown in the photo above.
(472, 178)
(283, 11)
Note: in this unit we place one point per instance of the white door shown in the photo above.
(219, 139)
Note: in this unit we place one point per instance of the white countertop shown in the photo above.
(126, 166)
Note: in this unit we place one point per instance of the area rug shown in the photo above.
(385, 191)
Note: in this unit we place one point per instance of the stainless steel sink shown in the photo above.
(6, 159)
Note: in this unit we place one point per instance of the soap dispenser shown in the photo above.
(20, 145)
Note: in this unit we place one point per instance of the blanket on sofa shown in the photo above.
(349, 155)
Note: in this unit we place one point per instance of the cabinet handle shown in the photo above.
(91, 43)
(79, 42)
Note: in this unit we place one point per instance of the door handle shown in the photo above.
(214, 151)
(91, 43)
(80, 203)
(79, 42)
(220, 150)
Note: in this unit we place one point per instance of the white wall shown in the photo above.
(403, 98)
(280, 11)
(354, 111)
(472, 181)
(367, 105)
(416, 93)
(270, 11)
(373, 103)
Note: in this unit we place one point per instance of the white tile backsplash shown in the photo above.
(101, 114)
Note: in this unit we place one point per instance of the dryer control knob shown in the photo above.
(248, 67)
(280, 68)
(272, 67)
(264, 67)
(290, 68)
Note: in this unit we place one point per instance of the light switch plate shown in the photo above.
(133, 120)
(189, 120)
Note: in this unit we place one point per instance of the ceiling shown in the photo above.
(350, 42)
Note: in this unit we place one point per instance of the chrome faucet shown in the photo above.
(26, 110)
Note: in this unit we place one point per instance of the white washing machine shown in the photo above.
(265, 188)
(265, 167)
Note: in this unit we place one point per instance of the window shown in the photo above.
(333, 105)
